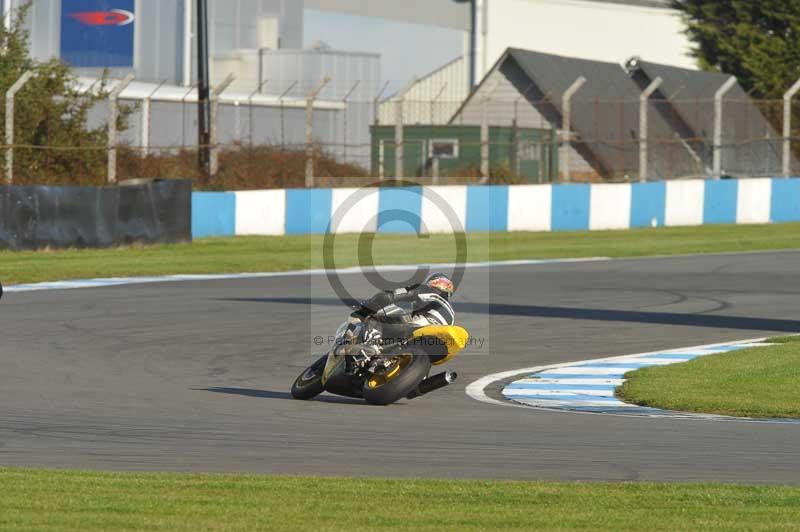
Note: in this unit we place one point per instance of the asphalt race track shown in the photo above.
(194, 376)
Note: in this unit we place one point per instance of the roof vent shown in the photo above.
(632, 64)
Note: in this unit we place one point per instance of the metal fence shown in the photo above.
(362, 135)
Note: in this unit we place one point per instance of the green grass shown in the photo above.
(757, 382)
(252, 254)
(66, 500)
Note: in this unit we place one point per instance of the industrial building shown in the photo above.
(160, 35)
(600, 30)
(521, 154)
(608, 31)
(597, 107)
(259, 42)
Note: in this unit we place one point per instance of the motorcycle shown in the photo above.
(384, 375)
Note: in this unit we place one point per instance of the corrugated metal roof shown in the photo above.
(605, 111)
(431, 99)
(138, 90)
(691, 95)
(605, 115)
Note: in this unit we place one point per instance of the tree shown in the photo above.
(56, 143)
(758, 41)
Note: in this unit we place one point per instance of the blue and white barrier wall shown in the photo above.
(444, 209)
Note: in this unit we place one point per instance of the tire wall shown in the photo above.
(37, 216)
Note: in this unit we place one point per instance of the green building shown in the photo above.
(515, 154)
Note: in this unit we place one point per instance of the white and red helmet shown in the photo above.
(440, 282)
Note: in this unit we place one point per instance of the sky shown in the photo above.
(407, 50)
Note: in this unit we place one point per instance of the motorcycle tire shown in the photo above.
(385, 391)
(309, 383)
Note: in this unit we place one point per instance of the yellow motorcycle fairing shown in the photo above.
(448, 341)
(331, 366)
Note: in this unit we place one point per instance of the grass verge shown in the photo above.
(252, 254)
(757, 382)
(68, 500)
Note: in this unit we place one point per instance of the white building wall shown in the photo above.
(505, 105)
(602, 31)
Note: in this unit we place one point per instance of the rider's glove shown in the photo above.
(360, 314)
(376, 302)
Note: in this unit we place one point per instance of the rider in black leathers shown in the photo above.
(392, 315)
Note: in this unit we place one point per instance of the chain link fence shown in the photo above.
(346, 134)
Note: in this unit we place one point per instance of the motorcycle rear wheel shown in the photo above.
(309, 383)
(399, 380)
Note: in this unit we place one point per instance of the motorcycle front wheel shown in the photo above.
(309, 383)
(408, 369)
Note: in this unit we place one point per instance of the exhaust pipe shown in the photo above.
(434, 383)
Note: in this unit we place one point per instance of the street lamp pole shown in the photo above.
(204, 90)
(473, 39)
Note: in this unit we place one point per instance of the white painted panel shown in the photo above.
(354, 210)
(530, 207)
(610, 207)
(437, 220)
(598, 30)
(684, 203)
(556, 391)
(588, 370)
(261, 212)
(755, 201)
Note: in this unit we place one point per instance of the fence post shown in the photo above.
(399, 134)
(485, 132)
(183, 114)
(250, 108)
(6, 16)
(718, 124)
(15, 88)
(787, 126)
(376, 104)
(282, 96)
(146, 113)
(643, 125)
(113, 113)
(346, 113)
(213, 163)
(398, 138)
(566, 124)
(436, 99)
(381, 160)
(310, 130)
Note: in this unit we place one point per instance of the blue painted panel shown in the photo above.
(648, 203)
(400, 210)
(308, 211)
(719, 201)
(785, 200)
(213, 214)
(98, 33)
(487, 208)
(571, 207)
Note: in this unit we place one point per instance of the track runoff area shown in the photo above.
(188, 375)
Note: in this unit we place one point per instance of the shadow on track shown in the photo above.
(269, 394)
(574, 313)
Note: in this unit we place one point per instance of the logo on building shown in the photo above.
(114, 17)
(98, 33)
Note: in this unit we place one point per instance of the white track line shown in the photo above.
(122, 281)
(477, 389)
